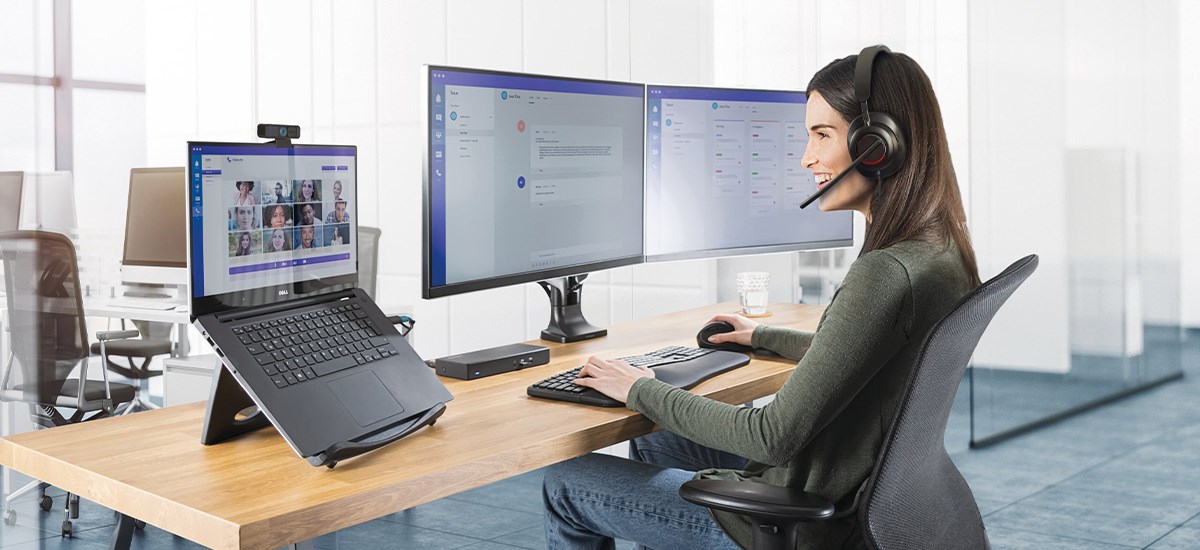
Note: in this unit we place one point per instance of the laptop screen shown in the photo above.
(270, 223)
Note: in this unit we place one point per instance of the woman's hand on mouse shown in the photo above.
(611, 377)
(743, 330)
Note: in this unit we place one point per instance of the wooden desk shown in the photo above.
(254, 492)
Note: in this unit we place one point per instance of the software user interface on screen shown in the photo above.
(725, 177)
(266, 216)
(530, 174)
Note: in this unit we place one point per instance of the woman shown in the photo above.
(279, 216)
(278, 242)
(243, 247)
(245, 197)
(308, 191)
(826, 426)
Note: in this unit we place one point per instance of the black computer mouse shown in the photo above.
(718, 327)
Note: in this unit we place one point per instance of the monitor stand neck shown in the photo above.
(566, 311)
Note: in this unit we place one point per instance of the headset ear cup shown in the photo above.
(883, 128)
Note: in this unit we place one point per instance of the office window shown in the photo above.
(26, 38)
(109, 41)
(27, 142)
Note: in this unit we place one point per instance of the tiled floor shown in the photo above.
(1123, 476)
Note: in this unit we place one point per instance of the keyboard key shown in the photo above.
(279, 381)
(270, 370)
(309, 373)
(291, 379)
(254, 349)
(333, 366)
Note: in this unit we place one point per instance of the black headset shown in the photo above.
(874, 127)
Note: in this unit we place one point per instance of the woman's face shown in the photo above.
(278, 218)
(307, 187)
(277, 240)
(827, 154)
(244, 188)
(245, 217)
(337, 189)
(245, 241)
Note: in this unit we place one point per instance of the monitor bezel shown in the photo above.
(125, 261)
(715, 253)
(262, 296)
(427, 290)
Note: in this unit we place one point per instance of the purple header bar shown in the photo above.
(725, 94)
(482, 79)
(297, 151)
(283, 264)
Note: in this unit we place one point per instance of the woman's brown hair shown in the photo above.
(922, 200)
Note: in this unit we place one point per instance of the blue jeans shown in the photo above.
(593, 499)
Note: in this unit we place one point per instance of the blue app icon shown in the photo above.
(521, 182)
(668, 122)
(453, 115)
(503, 95)
(714, 105)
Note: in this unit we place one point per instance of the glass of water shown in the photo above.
(752, 290)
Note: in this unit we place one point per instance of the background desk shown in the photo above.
(254, 492)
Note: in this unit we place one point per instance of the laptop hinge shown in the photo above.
(289, 305)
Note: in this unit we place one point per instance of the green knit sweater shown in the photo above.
(825, 427)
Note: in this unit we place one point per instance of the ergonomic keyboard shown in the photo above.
(298, 348)
(678, 366)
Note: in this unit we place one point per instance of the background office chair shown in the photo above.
(143, 349)
(915, 497)
(48, 339)
(368, 259)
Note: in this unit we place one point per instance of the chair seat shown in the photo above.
(93, 390)
(135, 347)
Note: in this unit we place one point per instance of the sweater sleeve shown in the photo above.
(865, 325)
(787, 342)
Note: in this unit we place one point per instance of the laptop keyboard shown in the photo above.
(298, 348)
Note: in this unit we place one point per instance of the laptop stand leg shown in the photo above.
(122, 535)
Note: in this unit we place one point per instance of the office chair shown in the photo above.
(368, 259)
(144, 349)
(48, 339)
(915, 497)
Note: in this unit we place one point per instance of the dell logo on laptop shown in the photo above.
(283, 292)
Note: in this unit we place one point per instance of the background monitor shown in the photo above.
(10, 200)
(156, 227)
(724, 175)
(529, 178)
(48, 202)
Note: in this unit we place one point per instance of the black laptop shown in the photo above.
(273, 261)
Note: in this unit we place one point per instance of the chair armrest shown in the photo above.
(757, 500)
(117, 335)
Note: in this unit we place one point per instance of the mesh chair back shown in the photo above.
(45, 310)
(368, 259)
(916, 498)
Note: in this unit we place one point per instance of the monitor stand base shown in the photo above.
(566, 311)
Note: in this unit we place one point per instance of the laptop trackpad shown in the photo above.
(365, 396)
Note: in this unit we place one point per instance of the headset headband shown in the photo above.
(862, 76)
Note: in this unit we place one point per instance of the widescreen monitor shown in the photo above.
(270, 223)
(724, 175)
(155, 249)
(10, 200)
(529, 178)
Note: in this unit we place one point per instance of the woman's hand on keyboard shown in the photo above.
(743, 330)
(611, 377)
